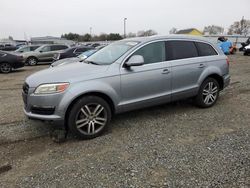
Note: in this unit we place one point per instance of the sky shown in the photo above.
(23, 19)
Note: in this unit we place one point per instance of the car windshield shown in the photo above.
(87, 53)
(111, 53)
(23, 49)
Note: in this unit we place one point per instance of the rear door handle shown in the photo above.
(202, 65)
(165, 71)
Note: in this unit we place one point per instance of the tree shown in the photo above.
(149, 32)
(173, 30)
(11, 38)
(131, 35)
(213, 30)
(87, 37)
(114, 36)
(241, 27)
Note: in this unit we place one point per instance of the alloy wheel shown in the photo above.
(32, 61)
(5, 67)
(91, 119)
(210, 93)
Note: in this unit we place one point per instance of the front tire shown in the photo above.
(32, 61)
(208, 93)
(5, 68)
(89, 117)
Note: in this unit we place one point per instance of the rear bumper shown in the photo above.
(226, 80)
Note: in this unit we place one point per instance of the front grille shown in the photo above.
(42, 110)
(25, 88)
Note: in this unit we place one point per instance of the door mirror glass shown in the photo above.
(135, 60)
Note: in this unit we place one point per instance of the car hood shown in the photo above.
(68, 73)
(65, 61)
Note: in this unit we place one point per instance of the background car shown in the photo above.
(71, 52)
(246, 50)
(8, 47)
(10, 61)
(27, 48)
(81, 57)
(43, 53)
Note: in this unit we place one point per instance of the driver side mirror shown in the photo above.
(135, 60)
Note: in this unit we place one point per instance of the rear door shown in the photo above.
(186, 67)
(150, 83)
(56, 49)
(44, 54)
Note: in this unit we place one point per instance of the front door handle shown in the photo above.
(165, 71)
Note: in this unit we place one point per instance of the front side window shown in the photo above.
(111, 53)
(46, 49)
(205, 49)
(180, 50)
(152, 53)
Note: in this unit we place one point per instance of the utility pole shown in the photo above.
(124, 20)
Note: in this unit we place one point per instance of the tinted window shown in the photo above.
(180, 50)
(32, 48)
(205, 49)
(46, 49)
(81, 50)
(58, 47)
(152, 53)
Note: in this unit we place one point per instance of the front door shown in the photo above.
(148, 84)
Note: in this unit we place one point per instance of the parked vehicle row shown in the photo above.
(126, 75)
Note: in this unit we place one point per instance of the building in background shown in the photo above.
(51, 40)
(191, 31)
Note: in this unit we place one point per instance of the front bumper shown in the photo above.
(43, 107)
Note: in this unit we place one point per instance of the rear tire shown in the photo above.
(89, 117)
(5, 68)
(32, 61)
(208, 93)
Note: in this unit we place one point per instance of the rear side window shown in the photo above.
(58, 47)
(152, 53)
(180, 50)
(205, 49)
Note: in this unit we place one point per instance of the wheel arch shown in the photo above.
(94, 93)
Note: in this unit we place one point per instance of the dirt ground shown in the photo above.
(173, 145)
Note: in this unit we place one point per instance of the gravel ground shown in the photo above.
(173, 145)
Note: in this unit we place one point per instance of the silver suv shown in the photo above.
(126, 75)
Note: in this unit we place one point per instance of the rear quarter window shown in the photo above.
(180, 50)
(205, 49)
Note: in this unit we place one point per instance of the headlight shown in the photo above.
(51, 88)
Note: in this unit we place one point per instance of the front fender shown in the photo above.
(110, 88)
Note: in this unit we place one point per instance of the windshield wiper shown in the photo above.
(91, 62)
